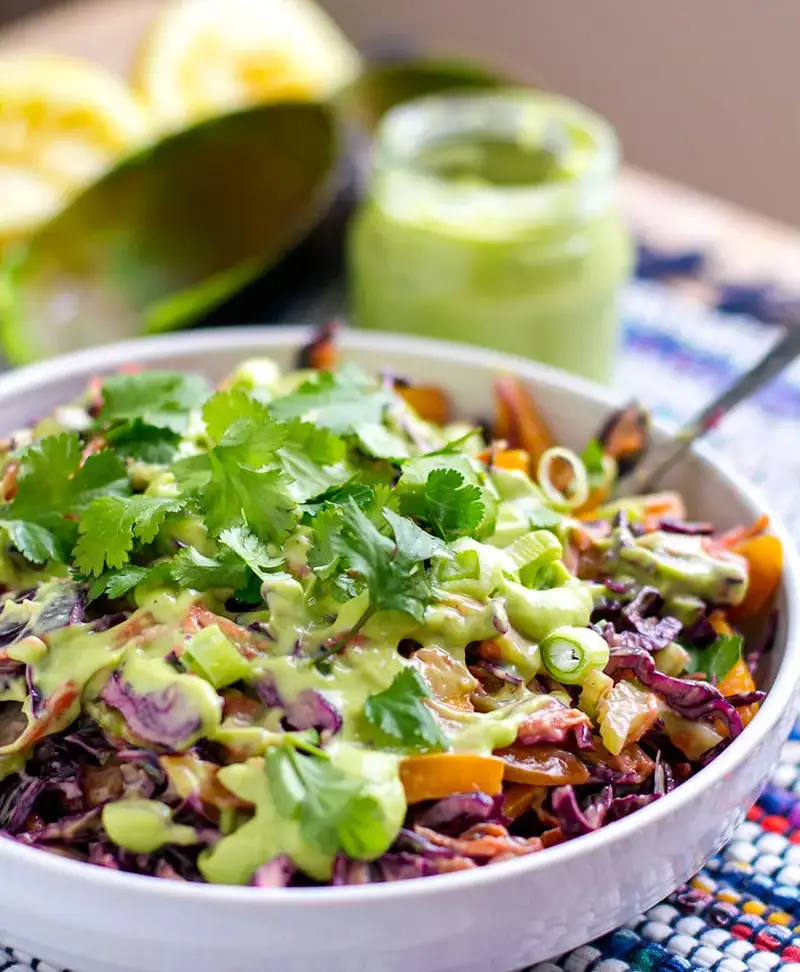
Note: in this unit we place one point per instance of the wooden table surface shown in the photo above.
(743, 245)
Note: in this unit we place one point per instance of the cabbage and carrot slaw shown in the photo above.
(306, 628)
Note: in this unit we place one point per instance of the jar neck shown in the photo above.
(565, 168)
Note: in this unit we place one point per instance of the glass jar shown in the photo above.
(492, 218)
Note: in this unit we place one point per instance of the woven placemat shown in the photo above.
(742, 912)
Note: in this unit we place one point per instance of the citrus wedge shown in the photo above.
(205, 57)
(62, 122)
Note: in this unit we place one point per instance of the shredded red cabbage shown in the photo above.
(690, 699)
(163, 718)
(308, 710)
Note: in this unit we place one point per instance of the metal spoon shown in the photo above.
(646, 476)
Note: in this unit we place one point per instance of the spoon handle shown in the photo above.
(650, 472)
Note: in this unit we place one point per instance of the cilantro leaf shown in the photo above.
(235, 419)
(335, 496)
(45, 468)
(312, 458)
(250, 550)
(49, 480)
(593, 459)
(260, 498)
(324, 561)
(378, 441)
(241, 565)
(394, 582)
(446, 504)
(50, 488)
(35, 542)
(454, 507)
(112, 523)
(238, 481)
(162, 399)
(412, 541)
(193, 569)
(718, 659)
(341, 402)
(116, 583)
(331, 807)
(144, 443)
(102, 474)
(320, 445)
(400, 713)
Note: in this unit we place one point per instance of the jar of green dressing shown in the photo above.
(492, 218)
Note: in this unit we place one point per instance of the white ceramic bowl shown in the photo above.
(496, 919)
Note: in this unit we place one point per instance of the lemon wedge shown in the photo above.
(204, 57)
(62, 122)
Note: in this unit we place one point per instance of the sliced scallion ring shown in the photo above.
(570, 653)
(579, 488)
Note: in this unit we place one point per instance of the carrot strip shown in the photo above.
(322, 352)
(247, 642)
(542, 766)
(719, 623)
(519, 420)
(428, 401)
(513, 459)
(437, 775)
(8, 484)
(738, 680)
(740, 533)
(764, 556)
(517, 799)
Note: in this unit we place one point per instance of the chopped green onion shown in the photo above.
(672, 660)
(465, 565)
(554, 575)
(623, 713)
(579, 488)
(213, 657)
(570, 653)
(534, 554)
(143, 826)
(594, 687)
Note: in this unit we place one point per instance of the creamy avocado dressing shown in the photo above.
(682, 566)
(493, 219)
(236, 858)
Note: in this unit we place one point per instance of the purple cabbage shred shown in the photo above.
(308, 710)
(164, 718)
(691, 699)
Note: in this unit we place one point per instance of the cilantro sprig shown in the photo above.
(435, 491)
(112, 523)
(252, 472)
(340, 402)
(400, 713)
(717, 659)
(240, 565)
(52, 491)
(144, 415)
(333, 809)
(349, 542)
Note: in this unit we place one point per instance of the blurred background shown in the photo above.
(99, 241)
(700, 92)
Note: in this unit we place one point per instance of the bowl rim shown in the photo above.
(250, 339)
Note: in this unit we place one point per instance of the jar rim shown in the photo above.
(410, 128)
